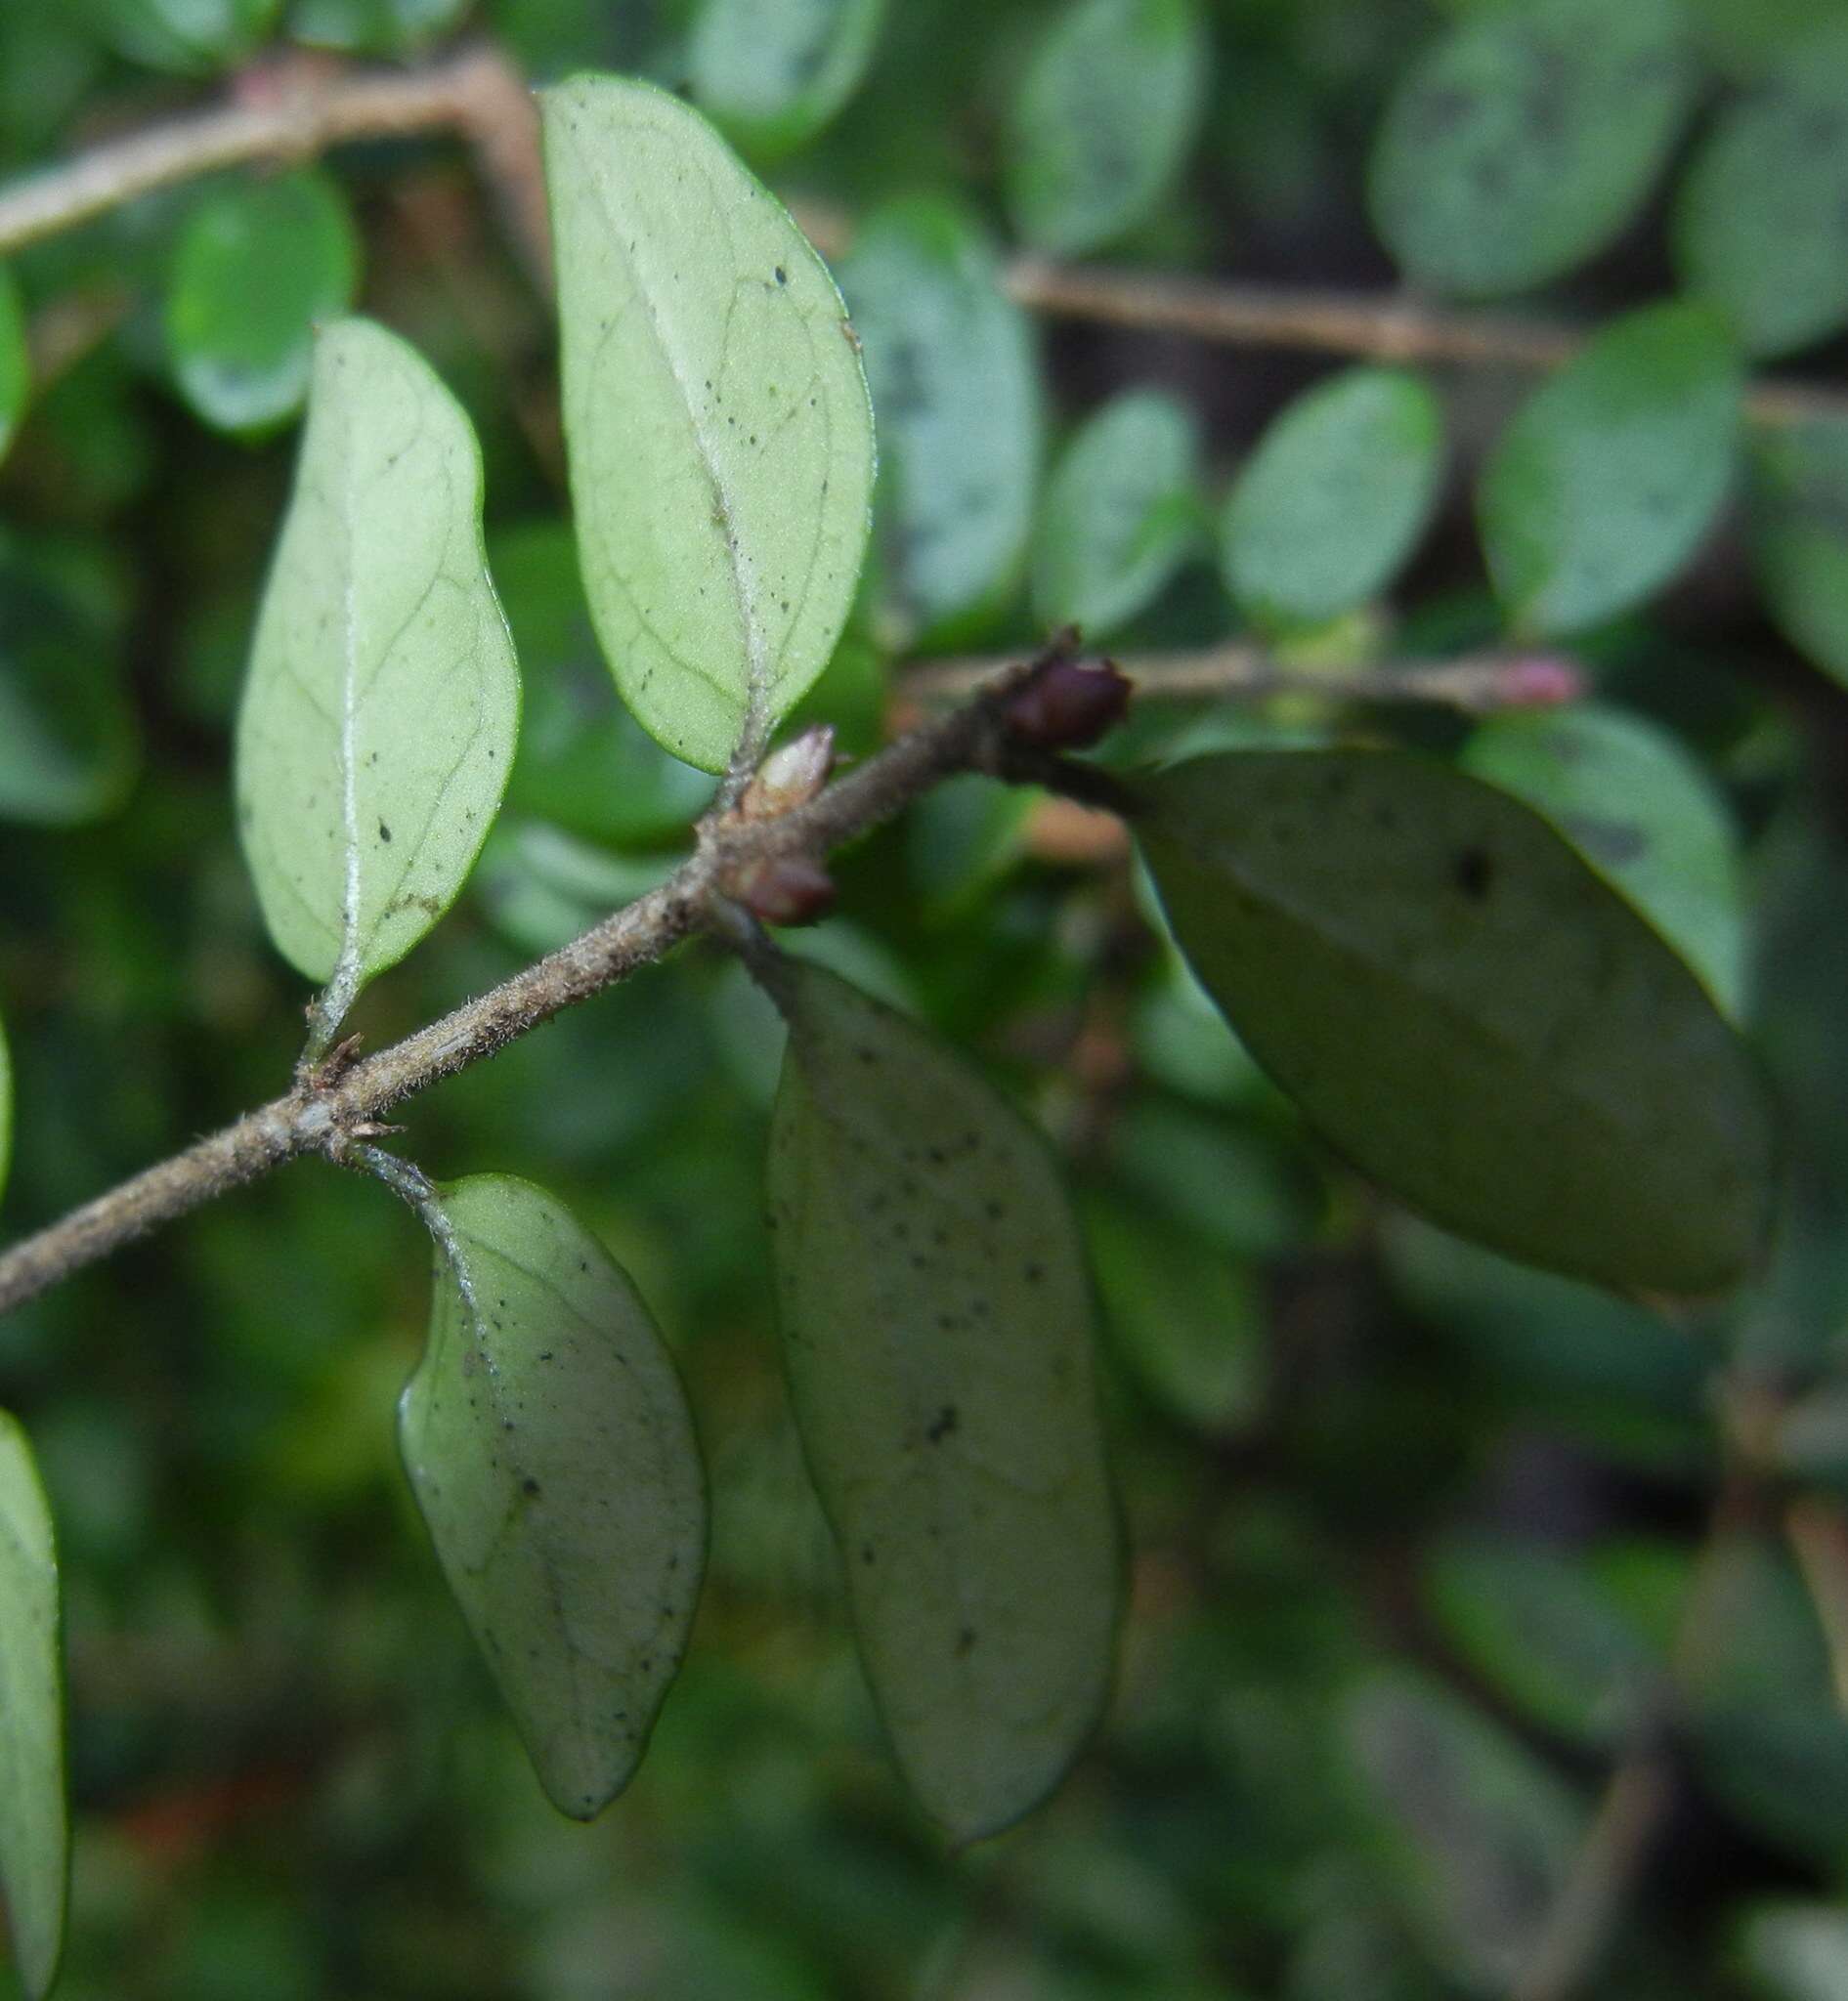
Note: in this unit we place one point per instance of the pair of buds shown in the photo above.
(1059, 703)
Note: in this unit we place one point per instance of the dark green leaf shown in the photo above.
(1545, 1635)
(1120, 514)
(67, 739)
(1796, 1951)
(1331, 504)
(1798, 499)
(937, 1326)
(1612, 473)
(773, 72)
(15, 361)
(1761, 229)
(715, 418)
(1103, 119)
(1527, 137)
(1643, 813)
(259, 266)
(379, 720)
(1467, 1012)
(190, 37)
(34, 1835)
(956, 392)
(379, 27)
(1485, 1832)
(549, 1440)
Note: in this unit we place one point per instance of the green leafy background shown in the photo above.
(1421, 1541)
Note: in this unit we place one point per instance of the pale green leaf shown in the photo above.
(1467, 1012)
(938, 1334)
(1643, 813)
(16, 361)
(1329, 507)
(773, 72)
(549, 1444)
(378, 723)
(1761, 229)
(1120, 514)
(34, 1832)
(1798, 513)
(1527, 137)
(1104, 114)
(956, 390)
(715, 418)
(259, 266)
(1611, 473)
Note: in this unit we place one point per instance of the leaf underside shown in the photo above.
(378, 723)
(34, 1832)
(549, 1445)
(717, 421)
(938, 1334)
(1467, 1012)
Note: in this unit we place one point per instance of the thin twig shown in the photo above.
(476, 92)
(343, 1102)
(1472, 682)
(479, 95)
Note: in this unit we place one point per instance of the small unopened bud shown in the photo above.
(790, 776)
(786, 889)
(1539, 681)
(1068, 705)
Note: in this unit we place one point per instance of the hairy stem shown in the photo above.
(340, 1104)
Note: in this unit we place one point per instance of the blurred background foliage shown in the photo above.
(1489, 1635)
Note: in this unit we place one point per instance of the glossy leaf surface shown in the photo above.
(1467, 1012)
(716, 413)
(35, 1833)
(378, 723)
(260, 265)
(1333, 500)
(773, 72)
(1527, 137)
(950, 360)
(1104, 114)
(937, 1335)
(549, 1441)
(1611, 473)
(1120, 513)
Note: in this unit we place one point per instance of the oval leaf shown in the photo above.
(773, 72)
(16, 361)
(1106, 113)
(34, 1832)
(1798, 511)
(1467, 1012)
(378, 723)
(549, 1441)
(1525, 140)
(937, 1332)
(259, 266)
(1761, 230)
(1332, 502)
(950, 360)
(1120, 515)
(1611, 473)
(1643, 813)
(715, 418)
